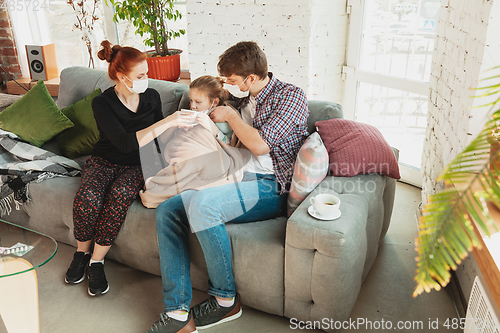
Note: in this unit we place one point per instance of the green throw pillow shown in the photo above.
(35, 117)
(80, 139)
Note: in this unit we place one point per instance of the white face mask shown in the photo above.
(138, 86)
(207, 111)
(235, 89)
(210, 109)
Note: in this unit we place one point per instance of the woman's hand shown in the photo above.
(178, 119)
(181, 119)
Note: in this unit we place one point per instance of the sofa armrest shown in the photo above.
(327, 237)
(324, 260)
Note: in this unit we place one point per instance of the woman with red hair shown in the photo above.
(128, 116)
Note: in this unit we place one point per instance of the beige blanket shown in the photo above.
(196, 160)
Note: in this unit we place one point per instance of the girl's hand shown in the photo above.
(204, 121)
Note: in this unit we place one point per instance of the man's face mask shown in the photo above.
(235, 89)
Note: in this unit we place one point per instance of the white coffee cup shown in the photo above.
(326, 205)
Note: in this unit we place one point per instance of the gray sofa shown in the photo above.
(298, 267)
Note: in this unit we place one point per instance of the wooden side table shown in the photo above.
(14, 89)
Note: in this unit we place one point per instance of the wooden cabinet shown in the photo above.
(14, 89)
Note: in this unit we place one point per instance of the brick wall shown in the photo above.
(303, 41)
(467, 271)
(457, 66)
(327, 49)
(8, 51)
(460, 42)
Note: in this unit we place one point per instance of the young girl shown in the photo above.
(199, 155)
(205, 94)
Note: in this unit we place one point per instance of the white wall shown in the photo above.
(304, 40)
(327, 47)
(467, 44)
(467, 271)
(456, 65)
(490, 60)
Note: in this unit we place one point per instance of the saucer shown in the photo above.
(315, 214)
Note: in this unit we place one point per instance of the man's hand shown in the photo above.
(221, 114)
(248, 135)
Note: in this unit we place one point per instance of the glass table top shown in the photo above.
(17, 242)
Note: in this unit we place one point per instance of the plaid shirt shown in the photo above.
(281, 118)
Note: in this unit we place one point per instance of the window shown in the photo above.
(53, 21)
(387, 74)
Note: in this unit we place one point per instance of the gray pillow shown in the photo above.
(322, 110)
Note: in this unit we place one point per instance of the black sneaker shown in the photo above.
(98, 285)
(170, 325)
(209, 313)
(76, 271)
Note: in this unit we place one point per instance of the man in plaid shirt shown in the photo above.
(273, 126)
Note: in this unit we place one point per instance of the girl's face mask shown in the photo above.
(210, 109)
(200, 101)
(191, 117)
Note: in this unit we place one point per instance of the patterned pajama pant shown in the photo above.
(106, 192)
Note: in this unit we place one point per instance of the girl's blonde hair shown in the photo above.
(212, 86)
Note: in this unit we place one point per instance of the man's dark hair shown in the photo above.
(243, 59)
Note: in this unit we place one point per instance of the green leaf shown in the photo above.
(144, 15)
(445, 227)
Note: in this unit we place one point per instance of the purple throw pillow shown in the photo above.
(356, 148)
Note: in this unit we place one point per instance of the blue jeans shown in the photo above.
(204, 212)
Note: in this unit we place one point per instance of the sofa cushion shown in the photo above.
(71, 89)
(357, 148)
(170, 94)
(35, 117)
(69, 92)
(311, 167)
(80, 139)
(320, 110)
(258, 254)
(51, 212)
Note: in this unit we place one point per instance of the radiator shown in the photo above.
(482, 312)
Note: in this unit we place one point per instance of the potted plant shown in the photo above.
(150, 17)
(472, 195)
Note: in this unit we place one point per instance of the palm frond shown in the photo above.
(492, 89)
(446, 232)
